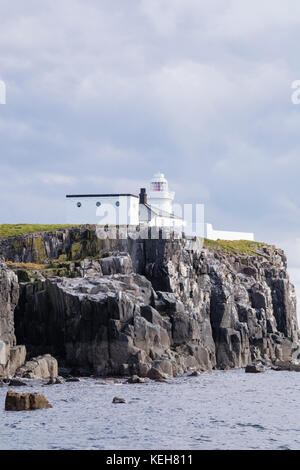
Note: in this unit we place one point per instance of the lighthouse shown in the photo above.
(149, 209)
(159, 195)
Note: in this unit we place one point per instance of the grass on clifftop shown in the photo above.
(12, 230)
(234, 246)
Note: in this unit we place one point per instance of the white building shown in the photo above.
(126, 209)
(212, 234)
(103, 209)
(155, 210)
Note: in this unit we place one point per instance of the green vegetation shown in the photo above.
(12, 230)
(235, 246)
(30, 272)
(76, 251)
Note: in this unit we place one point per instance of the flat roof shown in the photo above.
(100, 195)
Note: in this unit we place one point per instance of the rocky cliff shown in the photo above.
(11, 356)
(137, 306)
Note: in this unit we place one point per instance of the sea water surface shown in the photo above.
(219, 410)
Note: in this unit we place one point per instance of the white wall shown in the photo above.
(212, 234)
(161, 200)
(158, 221)
(107, 213)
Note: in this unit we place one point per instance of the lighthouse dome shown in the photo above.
(159, 182)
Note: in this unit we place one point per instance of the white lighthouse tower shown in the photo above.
(159, 195)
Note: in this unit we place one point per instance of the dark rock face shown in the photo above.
(156, 307)
(246, 300)
(9, 295)
(11, 356)
(98, 324)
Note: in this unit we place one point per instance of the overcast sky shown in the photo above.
(101, 94)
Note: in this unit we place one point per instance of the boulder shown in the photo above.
(157, 375)
(286, 365)
(196, 373)
(16, 383)
(135, 379)
(164, 366)
(56, 381)
(25, 401)
(59, 381)
(41, 367)
(117, 400)
(254, 369)
(110, 382)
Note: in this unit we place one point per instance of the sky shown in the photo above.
(101, 94)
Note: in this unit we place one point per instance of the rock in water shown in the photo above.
(196, 373)
(287, 365)
(155, 374)
(59, 381)
(135, 379)
(119, 400)
(52, 381)
(254, 369)
(25, 401)
(16, 383)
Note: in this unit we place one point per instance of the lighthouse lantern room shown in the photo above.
(159, 195)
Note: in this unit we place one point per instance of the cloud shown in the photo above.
(100, 95)
(48, 178)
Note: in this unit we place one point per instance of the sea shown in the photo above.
(218, 410)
